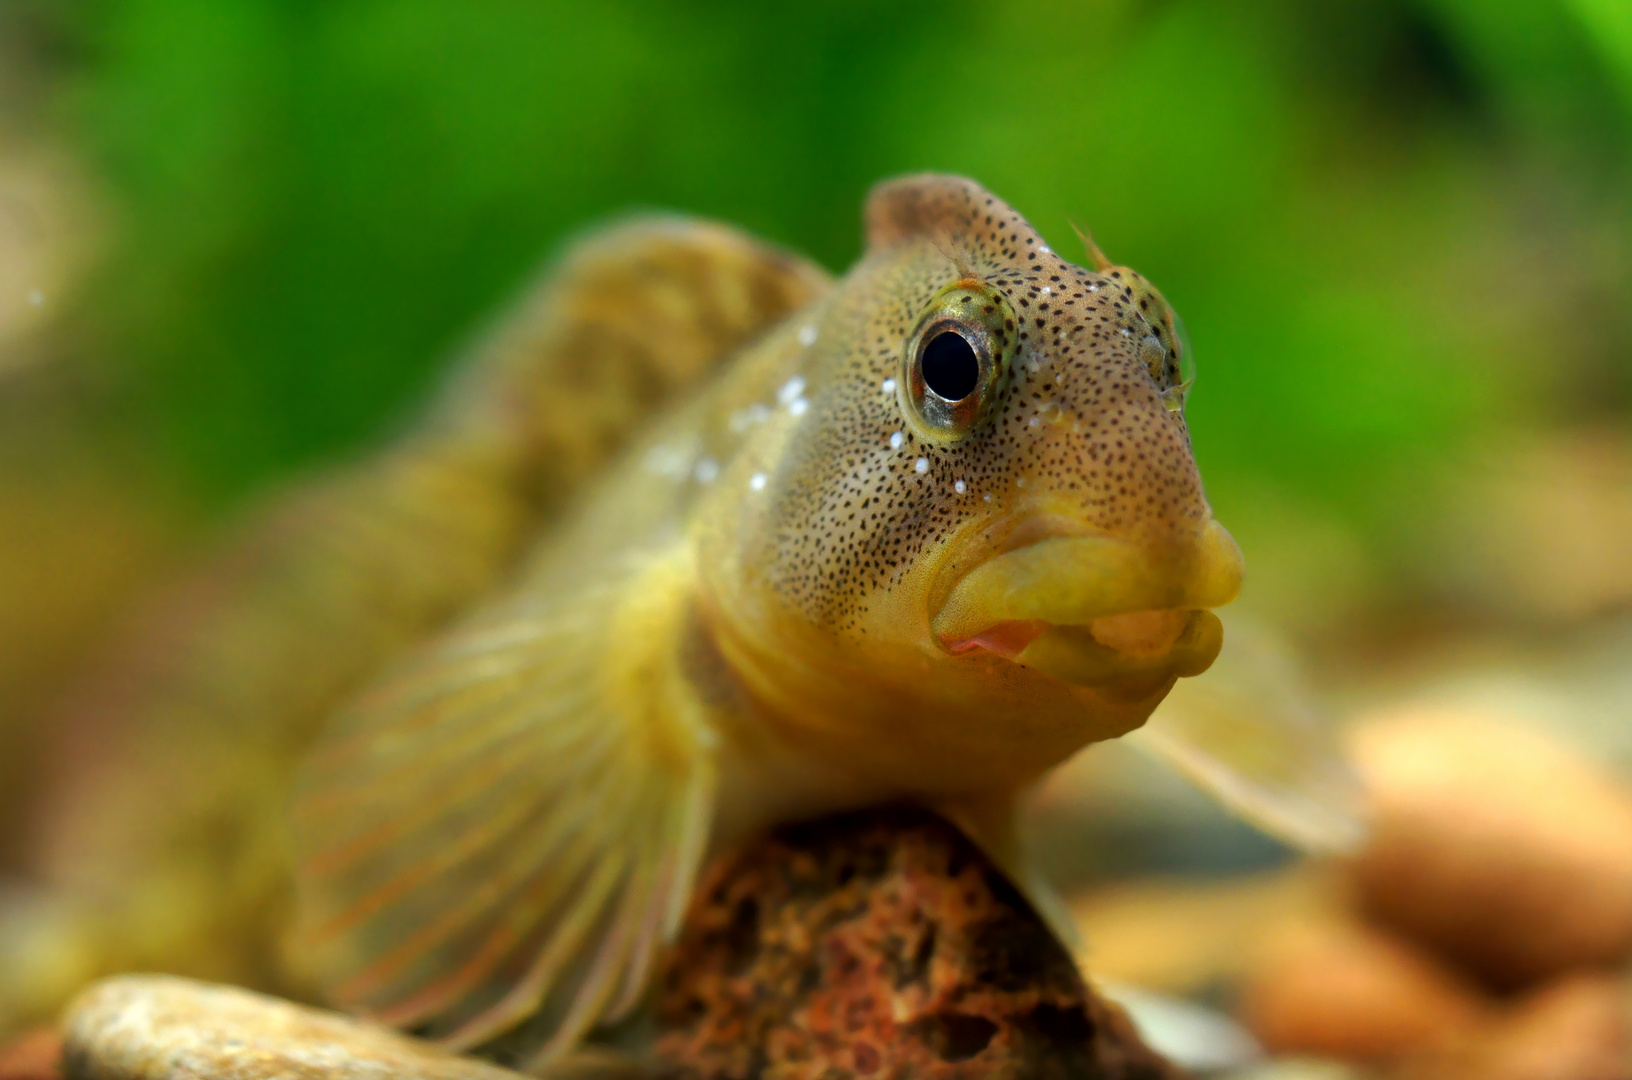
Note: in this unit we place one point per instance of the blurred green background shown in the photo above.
(241, 238)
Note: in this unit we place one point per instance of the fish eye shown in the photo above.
(1154, 356)
(1165, 351)
(951, 368)
(957, 359)
(1184, 368)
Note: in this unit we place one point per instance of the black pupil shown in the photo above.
(950, 367)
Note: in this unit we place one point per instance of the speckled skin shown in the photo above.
(828, 577)
(1080, 420)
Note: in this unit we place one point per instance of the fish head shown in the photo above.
(989, 516)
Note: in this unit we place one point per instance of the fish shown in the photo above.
(923, 538)
(157, 841)
(695, 539)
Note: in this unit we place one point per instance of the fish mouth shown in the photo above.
(1121, 618)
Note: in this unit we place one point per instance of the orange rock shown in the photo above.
(34, 1055)
(1495, 846)
(1184, 937)
(1579, 1028)
(1342, 990)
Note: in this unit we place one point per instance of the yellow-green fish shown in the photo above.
(928, 538)
(920, 533)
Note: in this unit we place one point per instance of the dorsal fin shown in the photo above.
(629, 318)
(943, 209)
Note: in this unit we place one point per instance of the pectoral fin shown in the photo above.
(1247, 733)
(509, 824)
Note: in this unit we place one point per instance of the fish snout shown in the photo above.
(1119, 616)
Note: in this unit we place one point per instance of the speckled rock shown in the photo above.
(880, 944)
(164, 1028)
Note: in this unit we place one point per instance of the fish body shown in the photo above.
(698, 540)
(924, 540)
(160, 843)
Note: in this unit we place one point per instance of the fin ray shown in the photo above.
(512, 821)
(1248, 733)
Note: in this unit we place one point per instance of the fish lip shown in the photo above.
(1063, 600)
(1076, 655)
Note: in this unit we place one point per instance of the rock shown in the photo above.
(166, 1028)
(1337, 989)
(34, 1055)
(877, 943)
(1189, 1034)
(1578, 1028)
(1184, 936)
(1495, 846)
(880, 943)
(1536, 530)
(1299, 1069)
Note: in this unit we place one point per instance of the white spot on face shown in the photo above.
(743, 419)
(1093, 288)
(1126, 332)
(798, 406)
(889, 386)
(667, 461)
(791, 389)
(706, 471)
(922, 464)
(987, 496)
(1047, 291)
(1035, 421)
(1044, 248)
(896, 439)
(1020, 481)
(807, 335)
(960, 487)
(35, 297)
(757, 481)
